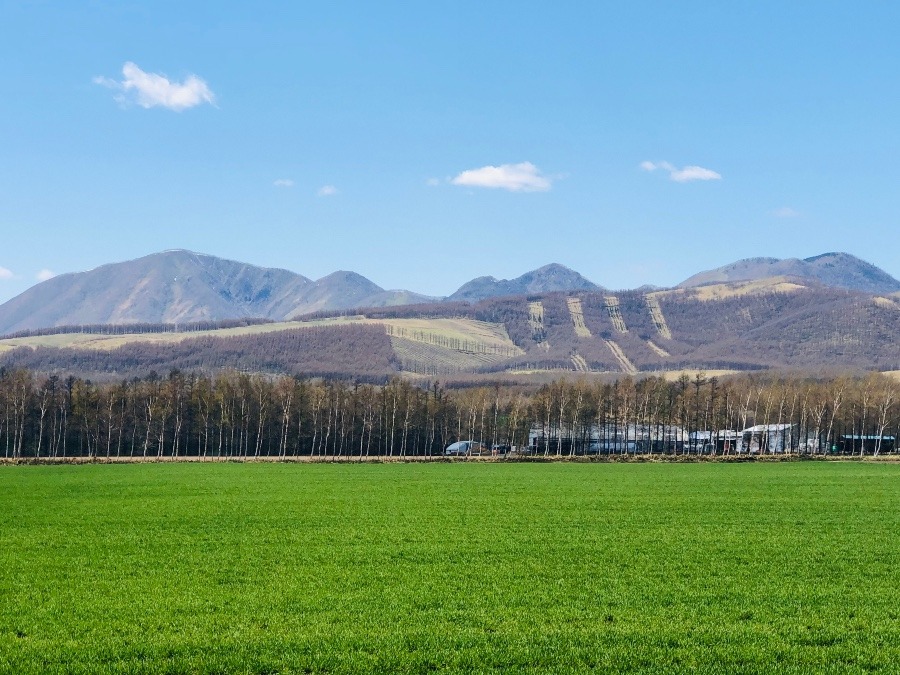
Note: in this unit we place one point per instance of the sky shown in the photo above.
(425, 144)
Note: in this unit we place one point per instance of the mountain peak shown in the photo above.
(836, 269)
(830, 255)
(546, 279)
(552, 267)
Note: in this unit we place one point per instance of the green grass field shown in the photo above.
(270, 568)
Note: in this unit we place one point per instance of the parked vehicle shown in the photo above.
(463, 449)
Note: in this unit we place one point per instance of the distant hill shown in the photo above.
(749, 326)
(838, 270)
(346, 290)
(546, 279)
(182, 286)
(172, 286)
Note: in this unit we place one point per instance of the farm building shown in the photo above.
(723, 441)
(586, 439)
(606, 439)
(862, 445)
(771, 438)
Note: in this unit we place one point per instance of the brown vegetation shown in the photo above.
(240, 415)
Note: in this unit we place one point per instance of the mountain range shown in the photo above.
(182, 286)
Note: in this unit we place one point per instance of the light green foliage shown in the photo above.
(247, 568)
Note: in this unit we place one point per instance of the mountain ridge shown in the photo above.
(180, 286)
(834, 269)
(810, 327)
(549, 278)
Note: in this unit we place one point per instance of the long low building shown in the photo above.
(643, 438)
(760, 439)
(606, 439)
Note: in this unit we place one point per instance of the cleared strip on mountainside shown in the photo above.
(577, 315)
(612, 306)
(657, 349)
(627, 366)
(659, 319)
(580, 364)
(536, 320)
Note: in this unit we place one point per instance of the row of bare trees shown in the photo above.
(239, 415)
(847, 415)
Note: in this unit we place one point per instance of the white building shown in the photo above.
(767, 438)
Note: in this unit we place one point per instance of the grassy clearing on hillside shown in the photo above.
(456, 329)
(734, 289)
(421, 358)
(100, 341)
(450, 567)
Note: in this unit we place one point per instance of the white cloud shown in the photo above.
(653, 166)
(5, 273)
(45, 274)
(522, 177)
(785, 212)
(149, 90)
(691, 173)
(283, 182)
(686, 174)
(327, 191)
(433, 182)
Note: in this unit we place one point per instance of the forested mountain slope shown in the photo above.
(627, 332)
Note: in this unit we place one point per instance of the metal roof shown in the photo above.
(760, 428)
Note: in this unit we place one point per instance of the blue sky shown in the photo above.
(428, 144)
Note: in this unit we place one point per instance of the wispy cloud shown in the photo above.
(283, 183)
(685, 174)
(433, 182)
(44, 274)
(785, 212)
(5, 273)
(150, 90)
(522, 177)
(327, 191)
(653, 166)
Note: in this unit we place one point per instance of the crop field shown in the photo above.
(450, 567)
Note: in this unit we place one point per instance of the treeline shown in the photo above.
(137, 328)
(240, 415)
(430, 310)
